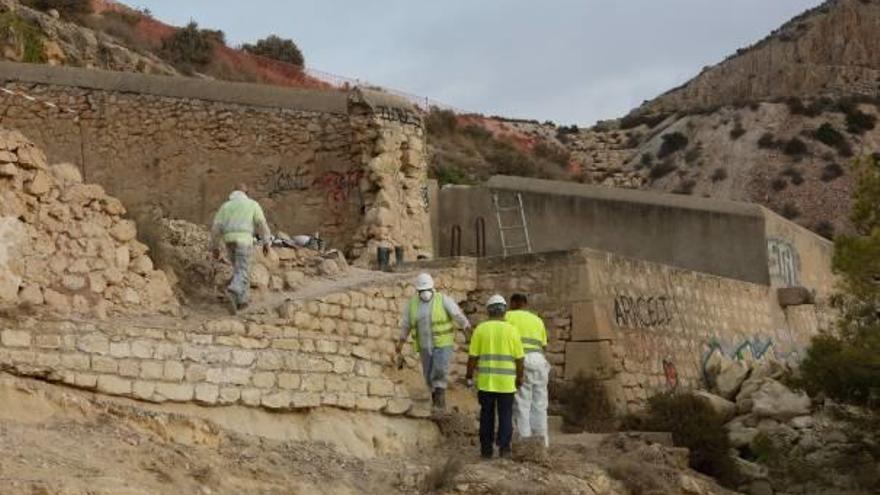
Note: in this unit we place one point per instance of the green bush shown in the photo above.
(831, 172)
(277, 48)
(825, 229)
(16, 31)
(694, 425)
(829, 136)
(441, 122)
(795, 147)
(795, 175)
(634, 120)
(778, 184)
(506, 159)
(738, 131)
(859, 122)
(190, 48)
(64, 7)
(662, 169)
(719, 174)
(672, 143)
(477, 132)
(790, 211)
(586, 405)
(450, 174)
(646, 160)
(685, 187)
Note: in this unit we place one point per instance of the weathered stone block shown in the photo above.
(398, 406)
(120, 349)
(110, 384)
(225, 327)
(264, 380)
(177, 392)
(277, 400)
(165, 350)
(48, 341)
(207, 393)
(16, 338)
(289, 381)
(370, 403)
(794, 296)
(86, 380)
(326, 346)
(251, 396)
(142, 349)
(94, 344)
(76, 362)
(286, 344)
(270, 360)
(152, 370)
(301, 400)
(229, 395)
(143, 390)
(104, 364)
(336, 383)
(173, 371)
(590, 358)
(129, 367)
(312, 382)
(237, 376)
(381, 387)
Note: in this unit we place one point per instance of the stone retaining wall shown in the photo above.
(336, 350)
(351, 166)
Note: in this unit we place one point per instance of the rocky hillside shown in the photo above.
(778, 123)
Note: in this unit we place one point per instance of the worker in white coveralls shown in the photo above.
(234, 226)
(431, 318)
(530, 411)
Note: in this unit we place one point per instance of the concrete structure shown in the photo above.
(735, 240)
(350, 165)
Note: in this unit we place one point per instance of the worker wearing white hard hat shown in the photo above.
(496, 355)
(431, 317)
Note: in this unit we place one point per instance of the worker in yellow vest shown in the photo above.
(530, 411)
(431, 317)
(496, 354)
(234, 226)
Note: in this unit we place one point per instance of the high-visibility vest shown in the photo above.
(441, 323)
(497, 345)
(237, 218)
(531, 329)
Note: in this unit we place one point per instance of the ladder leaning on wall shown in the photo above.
(512, 225)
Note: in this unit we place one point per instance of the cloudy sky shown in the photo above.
(571, 61)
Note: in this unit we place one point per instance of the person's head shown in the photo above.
(243, 187)
(424, 285)
(496, 306)
(518, 301)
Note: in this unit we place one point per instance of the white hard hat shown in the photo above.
(496, 299)
(424, 282)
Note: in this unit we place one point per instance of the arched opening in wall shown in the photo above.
(455, 248)
(480, 237)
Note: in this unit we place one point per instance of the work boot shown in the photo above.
(438, 397)
(232, 304)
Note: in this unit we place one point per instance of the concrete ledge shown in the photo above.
(258, 95)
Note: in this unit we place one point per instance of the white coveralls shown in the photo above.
(530, 411)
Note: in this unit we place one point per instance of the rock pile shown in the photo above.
(783, 442)
(65, 245)
(184, 251)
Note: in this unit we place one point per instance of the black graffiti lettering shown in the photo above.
(642, 312)
(281, 180)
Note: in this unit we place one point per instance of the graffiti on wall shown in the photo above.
(751, 350)
(280, 180)
(784, 262)
(642, 311)
(338, 186)
(671, 373)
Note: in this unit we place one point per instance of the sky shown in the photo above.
(569, 61)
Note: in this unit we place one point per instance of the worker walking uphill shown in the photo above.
(234, 226)
(530, 411)
(431, 318)
(496, 354)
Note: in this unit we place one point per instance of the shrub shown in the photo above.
(845, 369)
(505, 159)
(662, 169)
(586, 405)
(556, 154)
(685, 187)
(825, 229)
(698, 427)
(778, 184)
(477, 132)
(790, 211)
(189, 48)
(738, 131)
(634, 120)
(831, 172)
(858, 122)
(794, 175)
(64, 7)
(672, 143)
(563, 132)
(829, 136)
(277, 48)
(17, 31)
(441, 122)
(767, 141)
(719, 174)
(693, 154)
(646, 161)
(450, 174)
(795, 148)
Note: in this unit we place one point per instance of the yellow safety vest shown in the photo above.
(441, 323)
(531, 329)
(497, 345)
(236, 220)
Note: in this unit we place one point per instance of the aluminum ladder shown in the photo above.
(512, 225)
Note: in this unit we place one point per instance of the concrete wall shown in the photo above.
(325, 161)
(646, 327)
(718, 237)
(334, 350)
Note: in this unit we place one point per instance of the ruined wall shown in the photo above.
(348, 165)
(65, 245)
(334, 350)
(646, 327)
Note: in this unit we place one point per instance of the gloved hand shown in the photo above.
(469, 382)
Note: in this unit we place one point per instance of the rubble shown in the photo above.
(65, 246)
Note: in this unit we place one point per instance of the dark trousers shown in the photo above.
(492, 403)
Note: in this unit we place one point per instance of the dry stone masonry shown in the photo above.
(65, 244)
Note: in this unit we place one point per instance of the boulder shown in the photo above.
(730, 378)
(774, 400)
(720, 405)
(739, 433)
